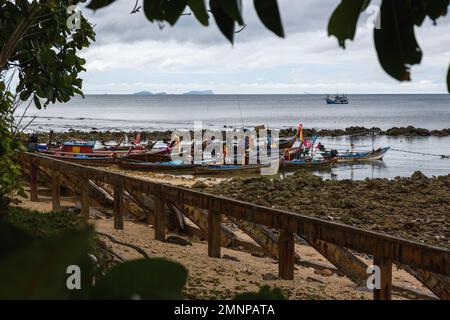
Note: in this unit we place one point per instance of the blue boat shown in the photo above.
(343, 99)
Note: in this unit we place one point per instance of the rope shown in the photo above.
(443, 156)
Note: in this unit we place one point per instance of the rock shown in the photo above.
(178, 240)
(418, 176)
(227, 257)
(311, 279)
(199, 185)
(269, 276)
(258, 254)
(324, 272)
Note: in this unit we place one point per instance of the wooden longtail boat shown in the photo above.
(152, 166)
(307, 163)
(286, 143)
(357, 156)
(83, 159)
(227, 169)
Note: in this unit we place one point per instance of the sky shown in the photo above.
(131, 54)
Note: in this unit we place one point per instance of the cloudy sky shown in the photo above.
(131, 54)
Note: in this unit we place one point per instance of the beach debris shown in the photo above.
(199, 185)
(178, 240)
(269, 276)
(324, 272)
(228, 257)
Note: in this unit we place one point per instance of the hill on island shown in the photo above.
(200, 92)
(148, 93)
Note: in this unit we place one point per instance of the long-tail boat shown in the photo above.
(227, 169)
(353, 156)
(307, 163)
(153, 166)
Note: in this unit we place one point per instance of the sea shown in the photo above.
(169, 112)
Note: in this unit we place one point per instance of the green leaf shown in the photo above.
(39, 271)
(269, 15)
(344, 20)
(199, 10)
(436, 8)
(37, 102)
(173, 9)
(418, 12)
(154, 10)
(223, 20)
(97, 4)
(395, 42)
(11, 239)
(24, 95)
(233, 9)
(265, 293)
(143, 279)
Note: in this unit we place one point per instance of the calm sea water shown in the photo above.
(127, 112)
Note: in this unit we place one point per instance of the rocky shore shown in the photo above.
(416, 208)
(106, 136)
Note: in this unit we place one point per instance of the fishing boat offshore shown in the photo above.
(338, 99)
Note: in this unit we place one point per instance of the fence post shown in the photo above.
(118, 207)
(214, 234)
(385, 265)
(56, 191)
(84, 198)
(286, 255)
(34, 169)
(159, 217)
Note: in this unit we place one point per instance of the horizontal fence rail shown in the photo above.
(384, 248)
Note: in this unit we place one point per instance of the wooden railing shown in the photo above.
(385, 249)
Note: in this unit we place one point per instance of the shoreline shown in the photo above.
(105, 136)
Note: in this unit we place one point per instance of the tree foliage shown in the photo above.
(395, 43)
(41, 51)
(37, 268)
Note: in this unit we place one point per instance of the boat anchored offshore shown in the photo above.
(338, 99)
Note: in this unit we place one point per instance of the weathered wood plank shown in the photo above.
(437, 283)
(34, 169)
(84, 198)
(214, 232)
(286, 255)
(56, 191)
(118, 207)
(385, 265)
(160, 218)
(414, 254)
(200, 218)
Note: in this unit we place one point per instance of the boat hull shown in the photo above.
(227, 169)
(86, 161)
(153, 167)
(303, 163)
(362, 157)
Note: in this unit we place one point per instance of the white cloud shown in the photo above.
(132, 55)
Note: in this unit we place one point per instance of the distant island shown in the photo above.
(143, 93)
(148, 93)
(200, 92)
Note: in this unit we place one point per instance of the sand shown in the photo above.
(224, 278)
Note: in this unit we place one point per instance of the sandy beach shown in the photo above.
(238, 271)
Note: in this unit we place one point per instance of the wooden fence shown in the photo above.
(385, 249)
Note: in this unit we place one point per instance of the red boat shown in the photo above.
(91, 156)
